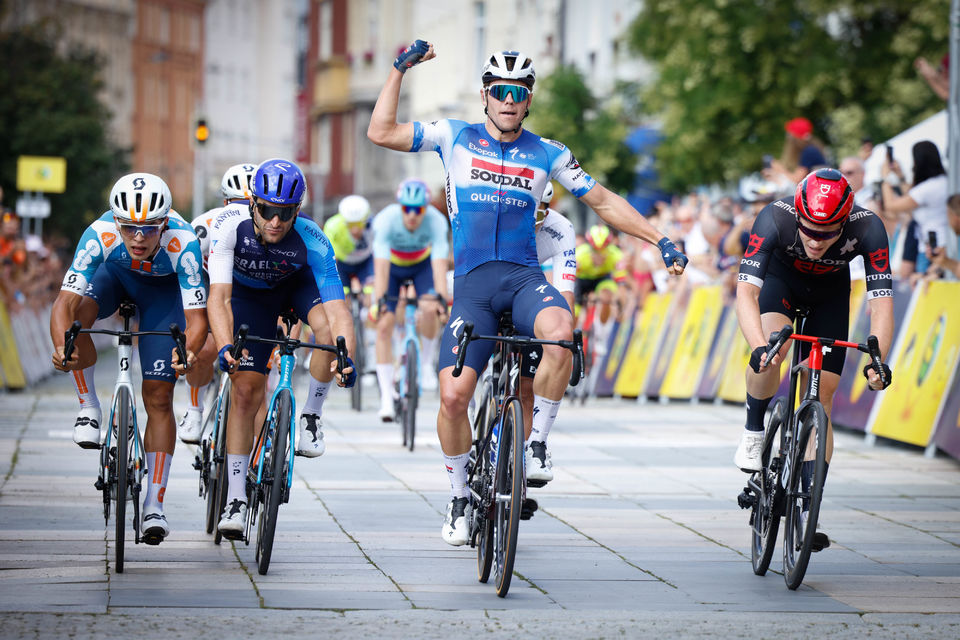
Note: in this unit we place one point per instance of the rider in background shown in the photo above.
(495, 173)
(266, 259)
(143, 251)
(351, 235)
(235, 189)
(798, 254)
(409, 243)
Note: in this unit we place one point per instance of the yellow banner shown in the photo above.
(696, 336)
(42, 173)
(647, 333)
(733, 381)
(925, 359)
(9, 358)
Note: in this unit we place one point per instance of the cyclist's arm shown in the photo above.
(381, 251)
(439, 266)
(748, 314)
(381, 278)
(65, 310)
(341, 323)
(384, 130)
(221, 313)
(196, 330)
(881, 323)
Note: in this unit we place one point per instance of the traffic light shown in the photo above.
(201, 132)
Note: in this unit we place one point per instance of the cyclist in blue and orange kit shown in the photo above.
(496, 172)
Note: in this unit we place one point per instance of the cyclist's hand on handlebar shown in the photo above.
(758, 359)
(227, 362)
(873, 380)
(178, 366)
(347, 377)
(673, 258)
(72, 364)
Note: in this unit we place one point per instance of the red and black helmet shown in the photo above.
(824, 197)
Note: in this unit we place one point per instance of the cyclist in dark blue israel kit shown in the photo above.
(798, 254)
(265, 259)
(496, 172)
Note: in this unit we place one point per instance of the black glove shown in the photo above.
(755, 358)
(887, 374)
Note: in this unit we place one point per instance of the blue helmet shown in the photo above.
(413, 193)
(279, 181)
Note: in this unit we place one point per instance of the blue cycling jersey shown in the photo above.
(178, 253)
(236, 254)
(393, 241)
(493, 188)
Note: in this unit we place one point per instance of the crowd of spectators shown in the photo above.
(30, 268)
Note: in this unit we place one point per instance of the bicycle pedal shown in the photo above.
(820, 541)
(536, 484)
(747, 499)
(529, 507)
(90, 445)
(197, 464)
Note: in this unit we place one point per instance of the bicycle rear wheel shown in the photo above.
(768, 508)
(123, 425)
(798, 537)
(412, 397)
(510, 484)
(275, 475)
(217, 486)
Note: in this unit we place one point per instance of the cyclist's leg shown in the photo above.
(306, 301)
(472, 304)
(777, 303)
(384, 344)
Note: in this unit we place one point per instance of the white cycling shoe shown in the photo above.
(86, 429)
(539, 466)
(191, 426)
(310, 443)
(747, 457)
(154, 527)
(233, 520)
(456, 524)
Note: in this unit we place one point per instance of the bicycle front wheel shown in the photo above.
(124, 423)
(798, 536)
(275, 475)
(767, 510)
(412, 392)
(217, 487)
(510, 485)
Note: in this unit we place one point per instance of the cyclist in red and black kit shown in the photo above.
(798, 254)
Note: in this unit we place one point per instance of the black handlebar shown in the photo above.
(342, 358)
(577, 374)
(465, 338)
(181, 341)
(873, 349)
(777, 340)
(70, 336)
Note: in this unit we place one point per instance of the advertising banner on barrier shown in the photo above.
(733, 380)
(947, 435)
(9, 357)
(719, 353)
(668, 344)
(689, 360)
(604, 372)
(643, 345)
(851, 406)
(923, 364)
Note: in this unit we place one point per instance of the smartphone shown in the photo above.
(932, 239)
(767, 161)
(889, 154)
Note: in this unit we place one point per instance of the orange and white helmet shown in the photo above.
(140, 198)
(235, 184)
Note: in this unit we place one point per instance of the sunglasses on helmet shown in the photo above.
(501, 91)
(148, 231)
(413, 210)
(819, 235)
(269, 211)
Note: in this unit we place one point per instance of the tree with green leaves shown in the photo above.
(49, 106)
(564, 109)
(731, 72)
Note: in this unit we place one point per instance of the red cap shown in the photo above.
(799, 127)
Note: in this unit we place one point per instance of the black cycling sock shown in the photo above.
(756, 410)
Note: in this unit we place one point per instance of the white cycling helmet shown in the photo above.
(509, 65)
(547, 195)
(140, 197)
(235, 184)
(354, 208)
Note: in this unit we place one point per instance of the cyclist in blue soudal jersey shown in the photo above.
(496, 172)
(265, 259)
(143, 251)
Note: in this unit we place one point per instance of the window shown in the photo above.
(480, 34)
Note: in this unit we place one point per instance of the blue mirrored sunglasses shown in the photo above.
(414, 210)
(501, 91)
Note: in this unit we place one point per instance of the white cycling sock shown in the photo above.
(385, 378)
(544, 413)
(86, 389)
(158, 470)
(196, 396)
(237, 464)
(317, 396)
(457, 474)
